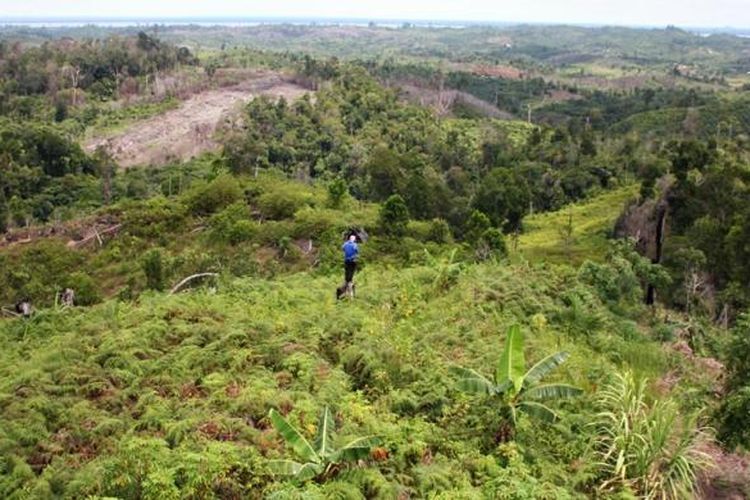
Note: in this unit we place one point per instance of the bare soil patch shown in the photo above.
(729, 479)
(499, 71)
(183, 133)
(442, 101)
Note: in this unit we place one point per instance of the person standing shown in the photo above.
(351, 253)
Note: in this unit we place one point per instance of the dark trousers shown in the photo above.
(349, 267)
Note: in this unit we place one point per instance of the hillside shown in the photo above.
(578, 232)
(187, 131)
(169, 394)
(172, 393)
(552, 288)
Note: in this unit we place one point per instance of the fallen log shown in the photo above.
(187, 280)
(96, 236)
(10, 313)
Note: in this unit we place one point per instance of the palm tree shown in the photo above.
(321, 458)
(518, 389)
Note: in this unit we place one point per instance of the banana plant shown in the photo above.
(519, 389)
(321, 459)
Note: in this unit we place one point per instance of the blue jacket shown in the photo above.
(351, 251)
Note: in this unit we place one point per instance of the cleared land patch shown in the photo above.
(184, 132)
(574, 233)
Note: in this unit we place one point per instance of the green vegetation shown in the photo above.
(515, 385)
(645, 447)
(148, 394)
(601, 234)
(323, 459)
(577, 232)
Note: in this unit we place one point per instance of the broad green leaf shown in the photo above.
(543, 367)
(284, 467)
(503, 388)
(471, 381)
(308, 471)
(552, 391)
(357, 449)
(323, 443)
(512, 365)
(301, 472)
(537, 410)
(293, 437)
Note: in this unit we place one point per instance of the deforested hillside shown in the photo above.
(549, 242)
(170, 395)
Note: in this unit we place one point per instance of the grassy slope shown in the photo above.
(104, 400)
(546, 237)
(188, 372)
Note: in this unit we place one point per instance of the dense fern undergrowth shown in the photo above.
(494, 279)
(168, 396)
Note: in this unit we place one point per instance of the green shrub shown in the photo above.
(476, 226)
(439, 232)
(337, 191)
(217, 194)
(612, 283)
(282, 202)
(734, 414)
(243, 230)
(86, 290)
(3, 212)
(37, 272)
(491, 244)
(153, 268)
(232, 225)
(313, 223)
(734, 418)
(394, 216)
(517, 482)
(153, 218)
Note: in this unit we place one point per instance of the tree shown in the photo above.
(3, 211)
(588, 148)
(734, 415)
(394, 216)
(154, 270)
(689, 155)
(491, 244)
(515, 388)
(504, 197)
(386, 177)
(322, 459)
(476, 226)
(337, 190)
(106, 168)
(649, 173)
(691, 261)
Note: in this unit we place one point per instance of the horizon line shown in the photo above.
(93, 19)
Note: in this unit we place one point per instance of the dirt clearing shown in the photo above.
(183, 133)
(442, 102)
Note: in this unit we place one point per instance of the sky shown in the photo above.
(693, 13)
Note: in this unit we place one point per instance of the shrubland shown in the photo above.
(490, 242)
(170, 394)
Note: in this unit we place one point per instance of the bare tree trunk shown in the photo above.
(661, 220)
(187, 280)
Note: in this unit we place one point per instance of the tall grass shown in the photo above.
(647, 448)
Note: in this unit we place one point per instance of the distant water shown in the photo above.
(42, 22)
(231, 22)
(120, 24)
